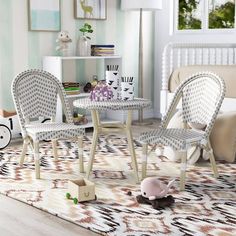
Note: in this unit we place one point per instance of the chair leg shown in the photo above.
(37, 159)
(54, 148)
(133, 156)
(92, 153)
(24, 149)
(80, 152)
(183, 170)
(144, 160)
(213, 164)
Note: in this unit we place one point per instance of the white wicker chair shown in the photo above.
(201, 95)
(35, 94)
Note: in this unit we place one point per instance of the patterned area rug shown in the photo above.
(207, 207)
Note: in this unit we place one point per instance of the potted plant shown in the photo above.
(84, 47)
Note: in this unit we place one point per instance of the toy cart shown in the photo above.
(81, 190)
(9, 127)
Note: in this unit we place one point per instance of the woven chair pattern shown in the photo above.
(201, 95)
(35, 94)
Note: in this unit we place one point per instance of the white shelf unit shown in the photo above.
(54, 65)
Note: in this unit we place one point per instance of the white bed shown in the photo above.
(218, 58)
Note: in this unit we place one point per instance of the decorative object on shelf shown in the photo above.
(79, 119)
(127, 88)
(91, 85)
(83, 46)
(141, 5)
(71, 88)
(102, 50)
(113, 80)
(90, 9)
(81, 190)
(102, 92)
(88, 87)
(63, 41)
(44, 15)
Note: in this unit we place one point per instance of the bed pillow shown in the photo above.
(226, 72)
(223, 137)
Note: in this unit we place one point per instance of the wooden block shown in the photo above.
(82, 189)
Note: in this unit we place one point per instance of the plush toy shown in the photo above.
(153, 192)
(63, 40)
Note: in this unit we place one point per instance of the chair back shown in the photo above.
(35, 94)
(202, 95)
(200, 98)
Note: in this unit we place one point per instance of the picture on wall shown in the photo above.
(90, 9)
(44, 15)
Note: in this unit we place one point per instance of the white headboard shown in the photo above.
(176, 55)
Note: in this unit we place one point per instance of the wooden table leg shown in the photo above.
(95, 120)
(131, 144)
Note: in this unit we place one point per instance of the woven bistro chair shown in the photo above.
(201, 96)
(35, 94)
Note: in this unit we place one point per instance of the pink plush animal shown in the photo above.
(152, 188)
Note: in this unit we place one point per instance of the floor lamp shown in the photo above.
(141, 5)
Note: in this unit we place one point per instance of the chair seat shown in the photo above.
(175, 138)
(53, 131)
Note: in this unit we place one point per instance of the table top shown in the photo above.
(136, 104)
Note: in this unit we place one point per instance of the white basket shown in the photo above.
(113, 80)
(127, 91)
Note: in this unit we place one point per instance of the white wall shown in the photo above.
(21, 49)
(164, 22)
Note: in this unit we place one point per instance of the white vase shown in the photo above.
(83, 46)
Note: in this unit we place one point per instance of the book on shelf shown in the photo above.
(72, 92)
(102, 50)
(71, 88)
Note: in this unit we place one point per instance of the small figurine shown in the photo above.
(153, 192)
(88, 87)
(63, 39)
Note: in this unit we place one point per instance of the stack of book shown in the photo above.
(102, 50)
(71, 88)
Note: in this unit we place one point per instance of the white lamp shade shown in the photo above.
(141, 4)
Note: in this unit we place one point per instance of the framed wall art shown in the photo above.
(90, 9)
(44, 15)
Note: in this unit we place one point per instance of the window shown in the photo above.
(197, 15)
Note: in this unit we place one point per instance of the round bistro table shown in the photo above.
(99, 127)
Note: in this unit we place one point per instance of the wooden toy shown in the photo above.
(9, 127)
(81, 190)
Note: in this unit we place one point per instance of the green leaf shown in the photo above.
(88, 37)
